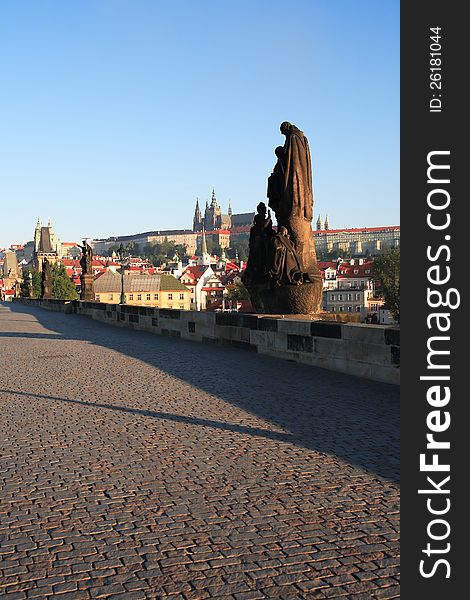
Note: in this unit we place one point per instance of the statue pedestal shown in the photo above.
(303, 299)
(86, 293)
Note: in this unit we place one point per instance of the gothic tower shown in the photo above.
(197, 220)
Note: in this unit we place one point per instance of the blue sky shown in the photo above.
(116, 114)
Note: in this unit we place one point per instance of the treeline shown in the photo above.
(62, 287)
(159, 253)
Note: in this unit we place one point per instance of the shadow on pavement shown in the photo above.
(331, 413)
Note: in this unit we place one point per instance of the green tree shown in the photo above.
(237, 292)
(241, 246)
(36, 283)
(386, 269)
(62, 286)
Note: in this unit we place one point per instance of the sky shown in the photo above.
(115, 115)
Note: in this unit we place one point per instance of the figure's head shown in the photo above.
(278, 151)
(283, 231)
(285, 127)
(261, 208)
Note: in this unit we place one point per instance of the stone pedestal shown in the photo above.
(86, 293)
(303, 299)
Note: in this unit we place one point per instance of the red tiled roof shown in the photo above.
(346, 270)
(195, 272)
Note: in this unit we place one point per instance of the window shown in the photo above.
(97, 297)
(349, 308)
(148, 297)
(139, 296)
(155, 296)
(181, 296)
(182, 306)
(358, 308)
(332, 297)
(341, 308)
(332, 309)
(131, 296)
(170, 297)
(110, 296)
(349, 297)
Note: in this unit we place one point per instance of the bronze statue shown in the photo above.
(46, 279)
(86, 277)
(86, 259)
(283, 262)
(260, 232)
(282, 275)
(293, 175)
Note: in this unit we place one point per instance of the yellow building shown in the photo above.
(160, 291)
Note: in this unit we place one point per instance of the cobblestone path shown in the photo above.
(140, 466)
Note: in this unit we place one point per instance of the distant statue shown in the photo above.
(46, 279)
(87, 258)
(260, 233)
(283, 262)
(86, 277)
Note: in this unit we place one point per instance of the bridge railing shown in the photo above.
(370, 351)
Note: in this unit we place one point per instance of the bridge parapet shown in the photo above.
(370, 351)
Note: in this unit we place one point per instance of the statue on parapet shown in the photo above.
(86, 259)
(260, 233)
(282, 275)
(86, 277)
(46, 279)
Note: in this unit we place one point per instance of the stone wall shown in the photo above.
(371, 351)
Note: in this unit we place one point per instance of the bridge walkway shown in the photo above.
(141, 466)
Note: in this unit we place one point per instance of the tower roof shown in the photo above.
(214, 199)
(45, 244)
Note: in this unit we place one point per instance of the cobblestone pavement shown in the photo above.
(139, 466)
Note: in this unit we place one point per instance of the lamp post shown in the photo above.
(121, 257)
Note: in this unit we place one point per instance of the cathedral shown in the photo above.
(213, 217)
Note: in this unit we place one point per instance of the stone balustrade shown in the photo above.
(370, 351)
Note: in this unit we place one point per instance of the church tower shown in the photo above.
(197, 220)
(207, 217)
(327, 223)
(319, 223)
(37, 235)
(205, 259)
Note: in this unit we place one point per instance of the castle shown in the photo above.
(213, 216)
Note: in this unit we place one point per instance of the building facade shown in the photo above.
(181, 237)
(368, 240)
(160, 291)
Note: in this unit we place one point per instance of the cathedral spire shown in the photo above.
(197, 220)
(214, 199)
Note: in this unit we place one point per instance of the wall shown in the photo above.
(371, 351)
